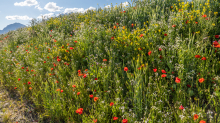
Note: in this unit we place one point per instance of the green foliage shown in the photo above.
(53, 60)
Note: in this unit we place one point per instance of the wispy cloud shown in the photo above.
(80, 10)
(29, 3)
(38, 7)
(52, 7)
(17, 17)
(46, 16)
(26, 3)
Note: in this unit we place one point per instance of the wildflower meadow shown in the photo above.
(148, 62)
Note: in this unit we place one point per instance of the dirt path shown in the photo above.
(12, 110)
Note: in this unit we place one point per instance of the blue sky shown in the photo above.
(22, 11)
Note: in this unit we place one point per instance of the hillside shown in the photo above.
(11, 27)
(151, 61)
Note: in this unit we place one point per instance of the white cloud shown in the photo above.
(26, 3)
(46, 16)
(125, 4)
(38, 7)
(80, 10)
(29, 3)
(52, 7)
(108, 6)
(90, 8)
(69, 10)
(16, 17)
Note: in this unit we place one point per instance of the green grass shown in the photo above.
(117, 55)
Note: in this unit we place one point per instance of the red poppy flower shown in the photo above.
(163, 71)
(111, 104)
(52, 69)
(203, 58)
(149, 53)
(155, 69)
(204, 16)
(216, 36)
(165, 34)
(196, 22)
(181, 107)
(104, 60)
(115, 27)
(197, 56)
(96, 98)
(132, 25)
(22, 68)
(124, 121)
(163, 75)
(61, 91)
(84, 76)
(75, 41)
(44, 61)
(71, 48)
(19, 79)
(15, 88)
(58, 59)
(79, 111)
(189, 86)
(78, 93)
(73, 86)
(215, 43)
(141, 35)
(159, 49)
(95, 120)
(202, 121)
(218, 46)
(29, 83)
(115, 118)
(125, 68)
(201, 80)
(196, 116)
(173, 25)
(112, 37)
(91, 96)
(96, 78)
(177, 80)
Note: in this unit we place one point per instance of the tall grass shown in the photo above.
(151, 61)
